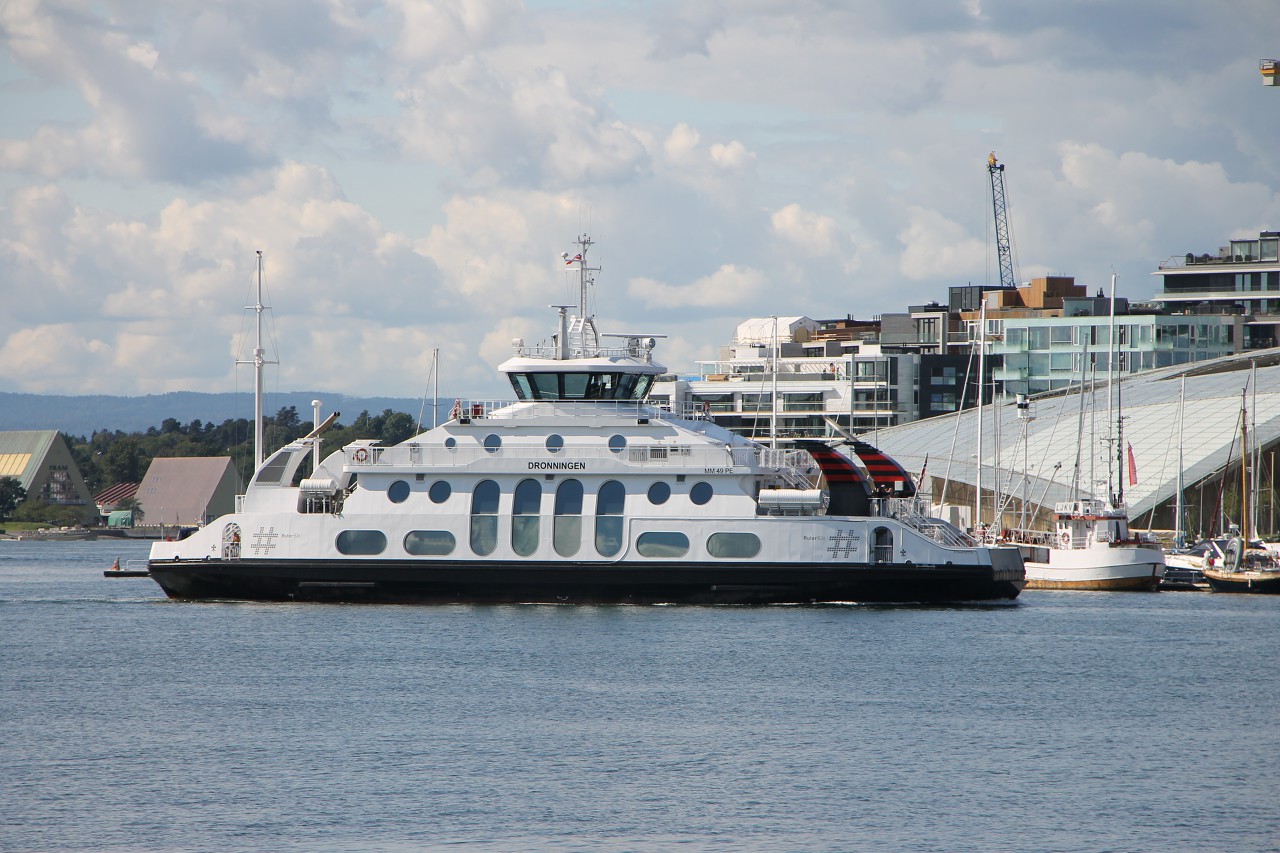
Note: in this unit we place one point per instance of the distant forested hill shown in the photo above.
(83, 415)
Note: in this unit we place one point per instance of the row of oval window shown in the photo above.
(528, 495)
(555, 443)
(441, 543)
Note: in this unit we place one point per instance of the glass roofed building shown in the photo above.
(1065, 449)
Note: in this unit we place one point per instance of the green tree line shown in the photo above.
(107, 458)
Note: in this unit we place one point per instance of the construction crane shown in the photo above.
(996, 171)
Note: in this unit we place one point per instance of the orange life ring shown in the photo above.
(457, 410)
(1064, 539)
(361, 455)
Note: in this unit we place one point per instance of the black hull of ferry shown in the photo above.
(391, 582)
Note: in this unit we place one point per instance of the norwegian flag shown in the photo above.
(1133, 467)
(568, 260)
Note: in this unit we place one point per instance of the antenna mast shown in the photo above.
(258, 361)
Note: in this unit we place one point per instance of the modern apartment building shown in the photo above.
(1241, 278)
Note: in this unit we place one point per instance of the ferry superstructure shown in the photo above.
(578, 492)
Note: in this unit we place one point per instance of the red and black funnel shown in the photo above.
(849, 491)
(883, 469)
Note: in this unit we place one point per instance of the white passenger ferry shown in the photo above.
(579, 492)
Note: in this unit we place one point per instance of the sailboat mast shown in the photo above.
(982, 388)
(1179, 535)
(1111, 380)
(1255, 455)
(1118, 499)
(1244, 467)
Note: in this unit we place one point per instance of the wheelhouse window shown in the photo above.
(566, 530)
(525, 511)
(398, 492)
(440, 491)
(484, 517)
(610, 502)
(591, 385)
(701, 493)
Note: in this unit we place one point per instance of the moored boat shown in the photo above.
(1091, 548)
(1245, 567)
(579, 491)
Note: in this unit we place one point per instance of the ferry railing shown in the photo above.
(794, 468)
(473, 410)
(540, 459)
(914, 513)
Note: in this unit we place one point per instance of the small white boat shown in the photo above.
(1091, 548)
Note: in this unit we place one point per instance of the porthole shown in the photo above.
(733, 545)
(439, 491)
(398, 492)
(429, 543)
(492, 442)
(617, 443)
(659, 492)
(555, 443)
(450, 442)
(361, 542)
(701, 493)
(662, 543)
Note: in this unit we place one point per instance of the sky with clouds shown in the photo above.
(412, 170)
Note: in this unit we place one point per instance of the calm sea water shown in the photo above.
(1064, 722)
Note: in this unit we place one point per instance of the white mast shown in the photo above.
(259, 361)
(1179, 535)
(1111, 383)
(1255, 453)
(773, 391)
(982, 387)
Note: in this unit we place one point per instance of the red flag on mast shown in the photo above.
(1133, 468)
